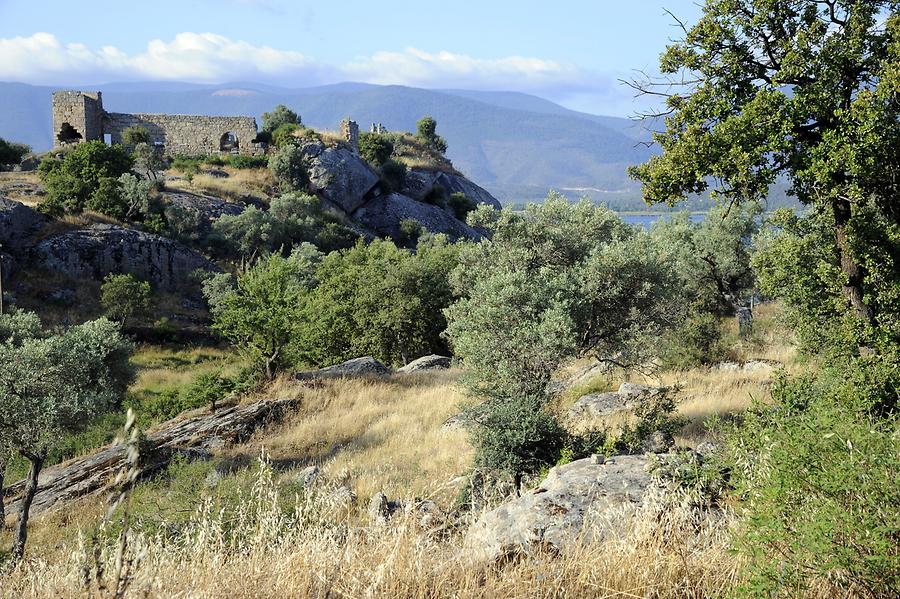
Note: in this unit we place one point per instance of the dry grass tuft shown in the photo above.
(257, 183)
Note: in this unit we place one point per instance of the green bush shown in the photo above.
(695, 342)
(437, 196)
(284, 135)
(289, 169)
(375, 149)
(243, 161)
(409, 233)
(817, 475)
(73, 181)
(393, 175)
(280, 116)
(124, 296)
(134, 135)
(12, 153)
(426, 130)
(107, 199)
(461, 205)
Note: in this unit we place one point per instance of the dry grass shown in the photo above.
(238, 185)
(23, 187)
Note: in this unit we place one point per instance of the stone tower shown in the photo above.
(350, 132)
(77, 117)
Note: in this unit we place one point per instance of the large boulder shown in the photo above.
(383, 215)
(628, 397)
(102, 249)
(18, 224)
(209, 208)
(418, 183)
(584, 500)
(367, 366)
(459, 184)
(425, 363)
(338, 174)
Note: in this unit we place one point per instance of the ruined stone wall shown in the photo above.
(350, 132)
(80, 110)
(187, 134)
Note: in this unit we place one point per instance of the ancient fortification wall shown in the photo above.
(79, 116)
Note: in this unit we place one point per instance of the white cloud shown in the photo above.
(213, 58)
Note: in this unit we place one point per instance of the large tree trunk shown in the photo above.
(31, 487)
(853, 272)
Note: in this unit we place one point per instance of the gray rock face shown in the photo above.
(18, 223)
(208, 207)
(628, 397)
(338, 175)
(358, 367)
(579, 500)
(432, 362)
(384, 213)
(103, 249)
(308, 476)
(454, 184)
(419, 183)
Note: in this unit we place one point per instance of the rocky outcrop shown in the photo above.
(459, 184)
(102, 249)
(18, 224)
(628, 397)
(383, 215)
(426, 363)
(418, 183)
(580, 501)
(366, 366)
(207, 207)
(191, 437)
(338, 175)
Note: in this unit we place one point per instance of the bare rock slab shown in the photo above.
(426, 363)
(582, 500)
(367, 366)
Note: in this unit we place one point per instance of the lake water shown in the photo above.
(647, 220)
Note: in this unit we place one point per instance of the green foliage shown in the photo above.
(243, 161)
(393, 175)
(205, 390)
(558, 281)
(697, 341)
(134, 135)
(426, 130)
(410, 231)
(124, 296)
(281, 115)
(797, 261)
(73, 181)
(291, 220)
(183, 223)
(461, 205)
(17, 326)
(284, 136)
(378, 300)
(148, 159)
(11, 152)
(712, 257)
(261, 315)
(801, 90)
(516, 436)
(107, 199)
(288, 167)
(817, 473)
(376, 149)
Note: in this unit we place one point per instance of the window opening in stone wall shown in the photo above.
(107, 138)
(229, 142)
(68, 134)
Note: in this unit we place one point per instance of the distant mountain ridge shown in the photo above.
(504, 141)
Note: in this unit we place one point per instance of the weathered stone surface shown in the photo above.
(102, 249)
(338, 174)
(18, 223)
(658, 442)
(628, 397)
(432, 362)
(208, 207)
(357, 367)
(455, 183)
(193, 437)
(418, 183)
(383, 215)
(749, 366)
(579, 500)
(308, 476)
(457, 421)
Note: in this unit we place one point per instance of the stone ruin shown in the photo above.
(350, 132)
(378, 128)
(80, 116)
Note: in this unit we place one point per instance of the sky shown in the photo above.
(571, 51)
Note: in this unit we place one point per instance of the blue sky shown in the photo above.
(571, 52)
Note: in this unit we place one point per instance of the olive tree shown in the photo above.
(56, 384)
(124, 296)
(800, 89)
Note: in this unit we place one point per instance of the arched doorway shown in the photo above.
(68, 134)
(229, 142)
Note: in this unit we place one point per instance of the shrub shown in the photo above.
(124, 296)
(461, 205)
(183, 223)
(284, 135)
(72, 181)
(243, 161)
(375, 149)
(148, 159)
(695, 342)
(288, 168)
(437, 196)
(107, 199)
(134, 135)
(208, 389)
(817, 473)
(409, 232)
(281, 115)
(12, 153)
(393, 175)
(426, 130)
